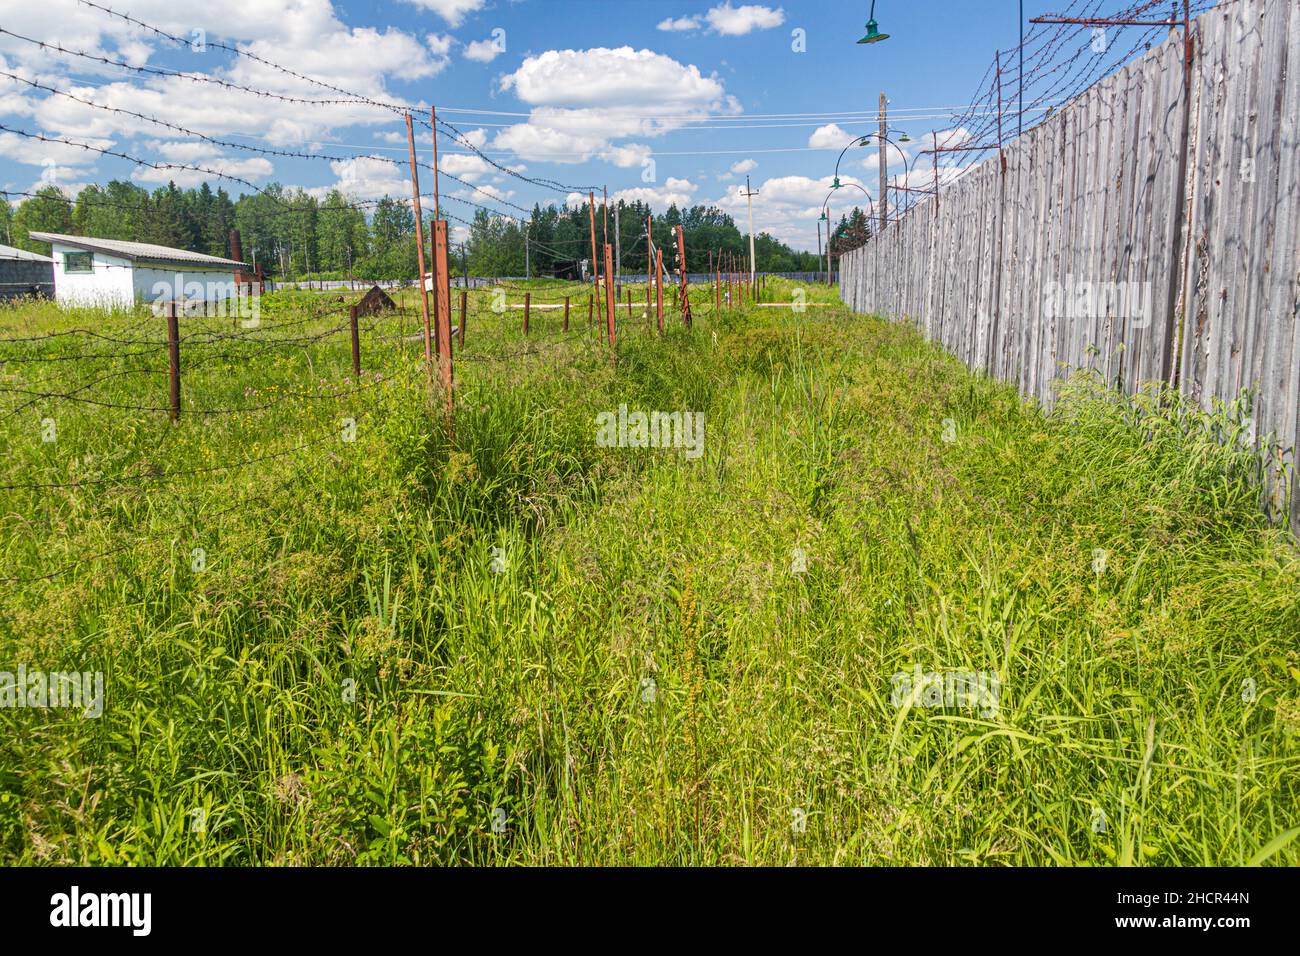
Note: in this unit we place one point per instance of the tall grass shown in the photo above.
(639, 674)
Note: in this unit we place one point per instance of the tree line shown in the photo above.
(293, 234)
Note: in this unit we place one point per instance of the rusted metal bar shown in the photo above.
(681, 258)
(442, 292)
(610, 311)
(464, 314)
(437, 212)
(419, 242)
(659, 289)
(595, 267)
(997, 63)
(356, 342)
(649, 262)
(174, 361)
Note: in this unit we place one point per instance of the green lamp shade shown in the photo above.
(873, 33)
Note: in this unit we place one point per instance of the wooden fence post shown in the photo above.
(590, 307)
(566, 313)
(528, 301)
(174, 360)
(356, 342)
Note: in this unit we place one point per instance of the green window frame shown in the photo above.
(78, 262)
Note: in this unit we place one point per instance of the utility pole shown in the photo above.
(750, 194)
(884, 167)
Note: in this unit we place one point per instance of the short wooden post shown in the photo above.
(591, 300)
(528, 300)
(356, 342)
(566, 313)
(174, 360)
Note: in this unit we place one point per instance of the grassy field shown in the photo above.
(312, 653)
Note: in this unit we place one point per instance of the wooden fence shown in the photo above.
(1135, 232)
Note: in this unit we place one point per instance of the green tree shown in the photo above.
(47, 211)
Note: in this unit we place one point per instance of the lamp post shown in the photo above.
(825, 217)
(864, 140)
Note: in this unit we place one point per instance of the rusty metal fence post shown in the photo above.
(174, 360)
(356, 341)
(464, 314)
(609, 296)
(659, 289)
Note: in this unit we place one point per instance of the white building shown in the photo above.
(114, 272)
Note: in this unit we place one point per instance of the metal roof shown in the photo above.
(9, 252)
(136, 250)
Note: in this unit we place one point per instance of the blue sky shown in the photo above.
(663, 100)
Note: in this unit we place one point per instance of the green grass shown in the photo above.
(648, 681)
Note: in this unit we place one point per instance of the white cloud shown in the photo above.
(440, 45)
(453, 11)
(365, 178)
(584, 99)
(34, 152)
(207, 160)
(610, 77)
(895, 156)
(788, 207)
(546, 144)
(304, 36)
(830, 137)
(738, 169)
(737, 21)
(465, 165)
(478, 195)
(483, 51)
(679, 192)
(633, 154)
(956, 136)
(679, 25)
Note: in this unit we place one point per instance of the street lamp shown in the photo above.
(825, 217)
(873, 29)
(864, 140)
